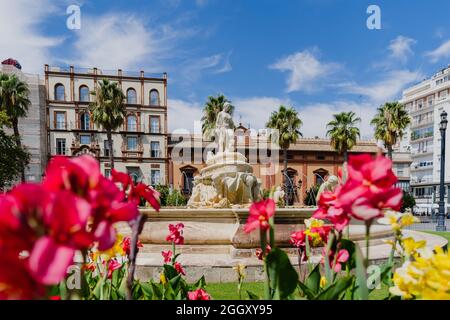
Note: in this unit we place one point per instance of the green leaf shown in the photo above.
(63, 290)
(313, 280)
(252, 296)
(157, 290)
(361, 278)
(147, 291)
(336, 290)
(170, 272)
(306, 291)
(282, 275)
(350, 247)
(201, 283)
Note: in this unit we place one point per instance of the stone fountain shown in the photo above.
(227, 180)
(217, 211)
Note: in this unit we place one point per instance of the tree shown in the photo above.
(108, 110)
(287, 123)
(343, 132)
(14, 102)
(212, 107)
(408, 201)
(390, 123)
(13, 160)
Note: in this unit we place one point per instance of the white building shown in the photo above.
(139, 146)
(425, 102)
(32, 127)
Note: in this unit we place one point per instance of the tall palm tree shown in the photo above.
(343, 132)
(288, 124)
(390, 123)
(212, 107)
(108, 110)
(14, 101)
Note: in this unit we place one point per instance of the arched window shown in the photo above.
(154, 97)
(132, 123)
(131, 96)
(85, 121)
(84, 94)
(60, 92)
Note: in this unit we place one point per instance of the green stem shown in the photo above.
(173, 253)
(368, 224)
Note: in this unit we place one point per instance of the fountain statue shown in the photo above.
(227, 179)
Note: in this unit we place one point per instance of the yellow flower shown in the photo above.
(162, 278)
(427, 277)
(408, 219)
(411, 246)
(313, 223)
(316, 238)
(323, 282)
(240, 269)
(115, 250)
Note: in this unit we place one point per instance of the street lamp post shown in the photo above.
(441, 217)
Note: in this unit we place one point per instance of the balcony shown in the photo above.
(133, 153)
(137, 128)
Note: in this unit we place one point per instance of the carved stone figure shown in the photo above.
(328, 185)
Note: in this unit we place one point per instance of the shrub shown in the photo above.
(408, 201)
(310, 198)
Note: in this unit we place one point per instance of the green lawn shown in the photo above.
(228, 291)
(446, 235)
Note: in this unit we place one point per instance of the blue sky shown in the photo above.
(315, 55)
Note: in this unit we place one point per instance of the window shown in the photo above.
(134, 173)
(84, 94)
(131, 96)
(430, 101)
(155, 178)
(154, 149)
(107, 173)
(60, 120)
(106, 148)
(61, 146)
(154, 124)
(85, 139)
(154, 97)
(131, 123)
(85, 121)
(60, 94)
(188, 181)
(132, 143)
(320, 157)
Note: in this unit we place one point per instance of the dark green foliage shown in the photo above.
(310, 198)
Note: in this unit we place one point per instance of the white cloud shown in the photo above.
(390, 87)
(305, 70)
(183, 114)
(20, 35)
(119, 41)
(316, 116)
(443, 51)
(400, 48)
(193, 69)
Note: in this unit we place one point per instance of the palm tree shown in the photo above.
(343, 132)
(390, 123)
(14, 101)
(108, 110)
(212, 107)
(287, 123)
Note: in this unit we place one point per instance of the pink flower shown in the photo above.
(167, 255)
(54, 298)
(122, 178)
(366, 176)
(179, 268)
(126, 245)
(373, 206)
(176, 234)
(260, 213)
(198, 294)
(260, 254)
(148, 193)
(112, 266)
(342, 257)
(330, 208)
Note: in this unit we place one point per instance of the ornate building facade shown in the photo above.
(139, 146)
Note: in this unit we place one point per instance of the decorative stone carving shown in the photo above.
(328, 185)
(227, 179)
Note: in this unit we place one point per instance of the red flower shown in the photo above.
(330, 208)
(260, 213)
(366, 176)
(260, 254)
(16, 283)
(373, 206)
(53, 253)
(342, 257)
(126, 245)
(54, 298)
(122, 178)
(179, 268)
(298, 238)
(167, 255)
(176, 234)
(148, 193)
(112, 266)
(198, 294)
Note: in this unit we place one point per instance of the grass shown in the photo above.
(228, 291)
(445, 235)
